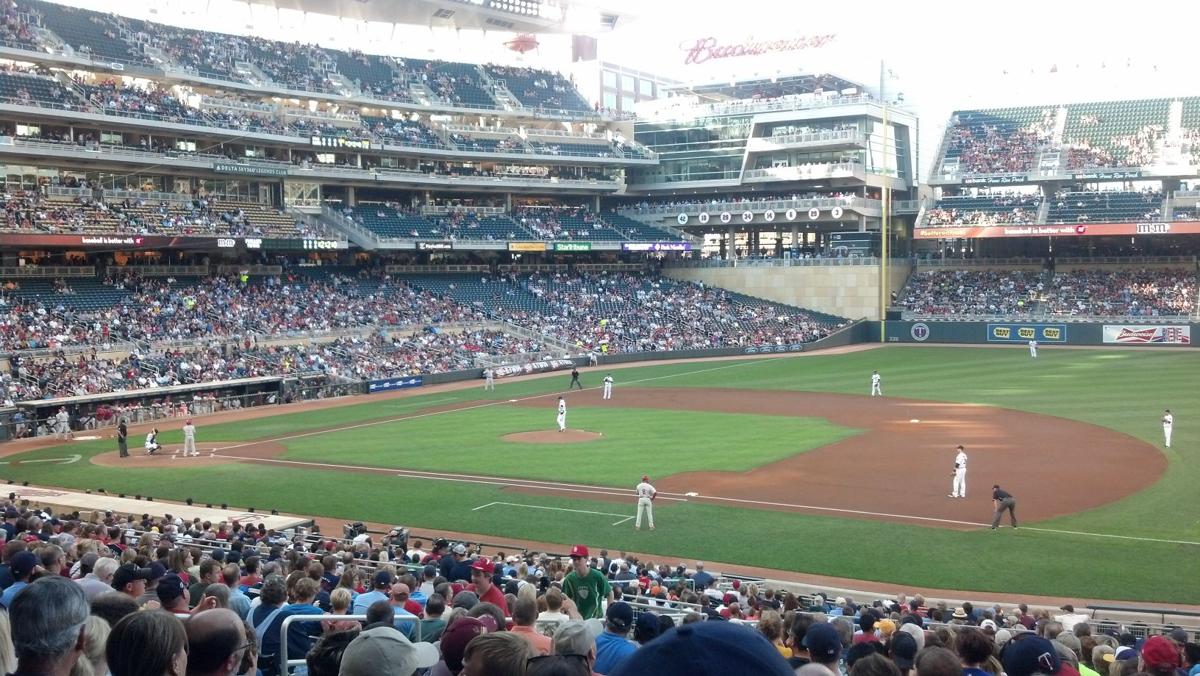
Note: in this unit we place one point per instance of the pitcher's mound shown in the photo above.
(552, 437)
(138, 458)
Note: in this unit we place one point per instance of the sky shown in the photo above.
(943, 55)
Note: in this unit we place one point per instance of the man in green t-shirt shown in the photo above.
(586, 586)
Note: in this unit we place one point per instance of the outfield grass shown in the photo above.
(1124, 390)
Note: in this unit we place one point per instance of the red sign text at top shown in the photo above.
(707, 49)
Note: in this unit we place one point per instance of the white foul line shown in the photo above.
(556, 509)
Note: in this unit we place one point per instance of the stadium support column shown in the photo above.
(596, 204)
(351, 198)
(731, 247)
(795, 236)
(884, 224)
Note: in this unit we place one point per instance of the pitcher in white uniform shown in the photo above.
(608, 381)
(645, 495)
(189, 439)
(562, 415)
(959, 488)
(1168, 422)
(876, 387)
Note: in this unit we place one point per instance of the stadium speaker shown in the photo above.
(208, 505)
(224, 506)
(894, 315)
(101, 491)
(274, 512)
(24, 483)
(149, 498)
(189, 502)
(88, 491)
(250, 509)
(120, 495)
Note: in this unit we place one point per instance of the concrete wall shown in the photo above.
(850, 291)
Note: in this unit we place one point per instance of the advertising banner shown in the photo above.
(1147, 334)
(656, 246)
(1023, 333)
(526, 246)
(394, 384)
(572, 246)
(510, 370)
(248, 169)
(770, 349)
(1062, 230)
(435, 246)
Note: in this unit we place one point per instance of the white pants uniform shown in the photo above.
(562, 421)
(490, 383)
(876, 390)
(645, 506)
(959, 489)
(1167, 434)
(607, 390)
(189, 444)
(1033, 350)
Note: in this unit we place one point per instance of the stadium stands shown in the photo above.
(997, 141)
(540, 89)
(759, 622)
(1074, 293)
(1115, 133)
(985, 209)
(1105, 207)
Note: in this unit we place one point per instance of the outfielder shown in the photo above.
(959, 488)
(608, 381)
(1033, 349)
(876, 387)
(1168, 422)
(562, 415)
(489, 382)
(575, 379)
(645, 495)
(189, 440)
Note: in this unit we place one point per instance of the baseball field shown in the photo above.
(783, 463)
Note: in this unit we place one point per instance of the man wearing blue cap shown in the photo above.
(22, 565)
(707, 649)
(612, 646)
(824, 645)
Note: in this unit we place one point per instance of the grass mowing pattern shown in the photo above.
(1121, 389)
(634, 441)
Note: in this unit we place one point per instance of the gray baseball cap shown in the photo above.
(383, 651)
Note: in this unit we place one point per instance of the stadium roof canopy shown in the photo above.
(773, 87)
(516, 16)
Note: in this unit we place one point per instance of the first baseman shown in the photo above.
(608, 381)
(562, 415)
(1168, 422)
(489, 376)
(645, 495)
(876, 388)
(959, 487)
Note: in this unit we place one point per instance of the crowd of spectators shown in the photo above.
(1076, 293)
(647, 206)
(971, 292)
(1132, 293)
(1138, 149)
(629, 312)
(999, 209)
(989, 148)
(213, 598)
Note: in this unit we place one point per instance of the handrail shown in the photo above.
(755, 205)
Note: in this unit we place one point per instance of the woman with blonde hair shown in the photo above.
(770, 624)
(340, 601)
(95, 636)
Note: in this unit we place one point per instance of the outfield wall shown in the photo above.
(839, 290)
(1047, 333)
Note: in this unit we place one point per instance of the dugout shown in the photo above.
(147, 405)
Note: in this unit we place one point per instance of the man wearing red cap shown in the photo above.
(189, 439)
(481, 577)
(645, 495)
(586, 586)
